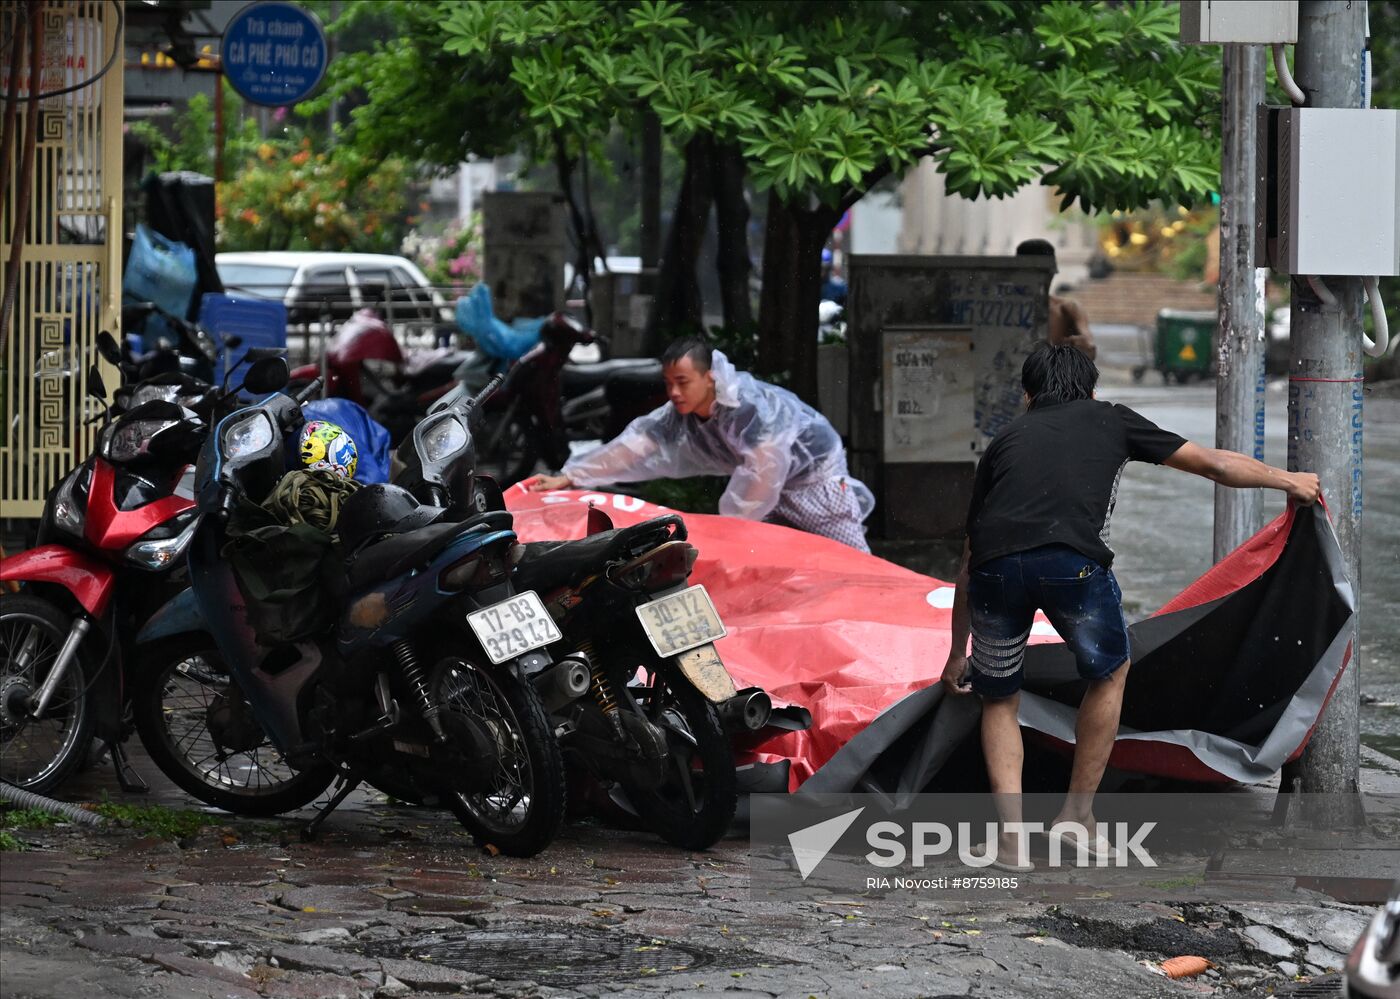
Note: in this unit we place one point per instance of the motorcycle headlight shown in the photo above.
(67, 513)
(162, 545)
(128, 438)
(154, 393)
(442, 440)
(249, 435)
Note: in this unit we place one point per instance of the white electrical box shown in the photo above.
(1258, 22)
(1329, 191)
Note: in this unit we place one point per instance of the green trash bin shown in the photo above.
(1183, 346)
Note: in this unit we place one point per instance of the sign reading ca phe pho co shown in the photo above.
(274, 53)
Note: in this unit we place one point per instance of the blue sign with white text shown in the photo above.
(274, 53)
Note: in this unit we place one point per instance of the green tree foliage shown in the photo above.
(825, 98)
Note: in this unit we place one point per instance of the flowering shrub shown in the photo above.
(289, 196)
(453, 258)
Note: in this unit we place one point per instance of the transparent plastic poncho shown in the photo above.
(765, 438)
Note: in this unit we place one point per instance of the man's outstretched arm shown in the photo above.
(1229, 468)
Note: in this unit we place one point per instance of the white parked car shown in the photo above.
(313, 284)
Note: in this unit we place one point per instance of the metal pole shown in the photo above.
(1324, 390)
(1240, 343)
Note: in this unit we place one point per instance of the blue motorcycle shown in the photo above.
(433, 678)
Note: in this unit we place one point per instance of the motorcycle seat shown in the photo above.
(398, 553)
(549, 565)
(579, 378)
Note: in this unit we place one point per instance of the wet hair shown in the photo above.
(699, 351)
(1035, 248)
(1058, 373)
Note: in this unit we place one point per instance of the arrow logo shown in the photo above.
(811, 845)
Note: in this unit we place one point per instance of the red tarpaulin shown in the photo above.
(860, 643)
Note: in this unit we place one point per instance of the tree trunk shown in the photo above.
(583, 267)
(792, 289)
(677, 308)
(650, 234)
(732, 216)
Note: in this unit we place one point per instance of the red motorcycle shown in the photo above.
(365, 364)
(110, 551)
(546, 402)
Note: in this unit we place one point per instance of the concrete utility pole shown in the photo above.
(1324, 390)
(1239, 381)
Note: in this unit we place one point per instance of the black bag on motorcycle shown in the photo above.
(291, 572)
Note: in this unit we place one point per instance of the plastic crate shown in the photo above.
(259, 322)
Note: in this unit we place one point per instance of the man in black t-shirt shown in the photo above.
(1037, 530)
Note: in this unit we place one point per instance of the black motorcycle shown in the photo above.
(429, 678)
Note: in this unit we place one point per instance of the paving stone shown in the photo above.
(1322, 957)
(430, 977)
(327, 934)
(1264, 939)
(194, 968)
(308, 958)
(129, 946)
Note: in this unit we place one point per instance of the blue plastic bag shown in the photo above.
(506, 341)
(160, 270)
(370, 437)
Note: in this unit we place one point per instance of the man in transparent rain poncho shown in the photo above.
(785, 462)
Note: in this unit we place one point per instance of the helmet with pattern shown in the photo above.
(326, 445)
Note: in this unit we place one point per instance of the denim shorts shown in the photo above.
(1080, 597)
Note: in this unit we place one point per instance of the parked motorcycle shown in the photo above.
(661, 700)
(547, 402)
(431, 679)
(109, 548)
(364, 363)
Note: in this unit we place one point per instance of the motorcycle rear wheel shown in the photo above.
(185, 686)
(40, 755)
(522, 809)
(694, 806)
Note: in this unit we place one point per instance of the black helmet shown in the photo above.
(381, 509)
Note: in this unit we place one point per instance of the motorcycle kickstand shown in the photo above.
(348, 783)
(127, 776)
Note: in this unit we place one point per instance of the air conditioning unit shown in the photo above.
(1329, 191)
(1220, 22)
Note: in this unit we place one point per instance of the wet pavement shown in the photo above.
(1161, 529)
(397, 901)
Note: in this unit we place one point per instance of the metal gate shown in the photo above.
(70, 253)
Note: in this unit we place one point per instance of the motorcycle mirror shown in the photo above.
(96, 387)
(107, 347)
(266, 375)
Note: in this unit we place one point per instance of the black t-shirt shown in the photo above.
(1051, 477)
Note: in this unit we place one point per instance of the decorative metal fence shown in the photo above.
(69, 257)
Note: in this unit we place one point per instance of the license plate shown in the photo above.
(681, 621)
(513, 627)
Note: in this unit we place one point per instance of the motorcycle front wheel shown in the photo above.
(40, 754)
(522, 807)
(694, 805)
(201, 732)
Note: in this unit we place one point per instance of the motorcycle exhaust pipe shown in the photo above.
(747, 711)
(563, 683)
